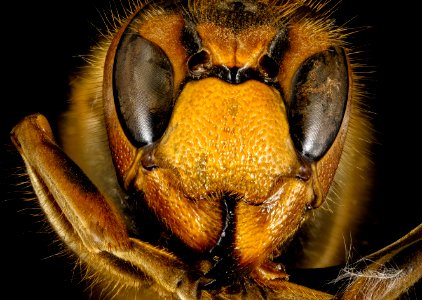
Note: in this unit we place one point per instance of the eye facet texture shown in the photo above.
(143, 88)
(318, 102)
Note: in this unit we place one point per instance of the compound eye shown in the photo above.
(143, 88)
(318, 102)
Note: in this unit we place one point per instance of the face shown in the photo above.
(220, 130)
(201, 142)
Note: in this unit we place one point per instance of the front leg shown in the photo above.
(387, 273)
(87, 222)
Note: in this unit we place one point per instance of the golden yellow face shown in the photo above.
(202, 138)
(220, 128)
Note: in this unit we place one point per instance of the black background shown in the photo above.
(41, 41)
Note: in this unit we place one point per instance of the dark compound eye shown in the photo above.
(318, 102)
(143, 88)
